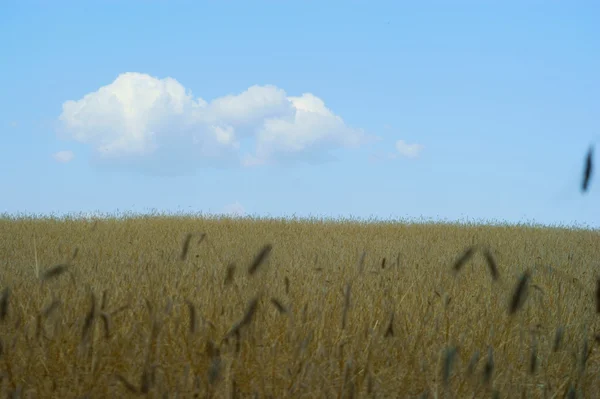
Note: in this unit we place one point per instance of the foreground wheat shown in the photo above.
(177, 307)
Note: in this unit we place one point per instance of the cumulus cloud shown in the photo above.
(408, 150)
(311, 125)
(142, 118)
(63, 156)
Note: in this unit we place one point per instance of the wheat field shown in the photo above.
(173, 306)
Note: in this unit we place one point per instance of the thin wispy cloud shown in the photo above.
(63, 156)
(401, 150)
(140, 117)
(408, 150)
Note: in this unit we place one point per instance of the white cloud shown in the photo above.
(251, 107)
(63, 156)
(235, 209)
(408, 150)
(311, 126)
(140, 117)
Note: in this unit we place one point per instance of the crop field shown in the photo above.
(166, 307)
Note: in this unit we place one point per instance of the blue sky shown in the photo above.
(478, 109)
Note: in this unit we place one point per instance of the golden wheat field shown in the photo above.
(167, 306)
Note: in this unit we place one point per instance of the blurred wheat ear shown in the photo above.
(588, 170)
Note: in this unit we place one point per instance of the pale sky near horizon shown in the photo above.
(479, 110)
